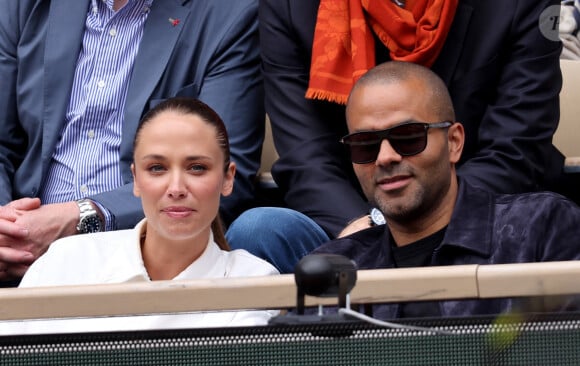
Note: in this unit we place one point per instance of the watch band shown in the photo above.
(89, 220)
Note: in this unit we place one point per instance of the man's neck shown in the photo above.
(118, 4)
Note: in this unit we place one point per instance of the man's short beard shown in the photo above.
(402, 214)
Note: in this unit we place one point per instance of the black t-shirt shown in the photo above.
(418, 254)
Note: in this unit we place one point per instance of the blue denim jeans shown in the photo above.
(281, 236)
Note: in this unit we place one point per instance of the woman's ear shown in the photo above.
(456, 139)
(136, 191)
(228, 184)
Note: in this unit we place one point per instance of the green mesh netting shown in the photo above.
(537, 340)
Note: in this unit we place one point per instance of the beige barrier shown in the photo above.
(279, 292)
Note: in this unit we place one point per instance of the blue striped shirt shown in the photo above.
(86, 159)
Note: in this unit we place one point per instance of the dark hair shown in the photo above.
(190, 106)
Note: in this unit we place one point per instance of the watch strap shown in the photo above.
(86, 211)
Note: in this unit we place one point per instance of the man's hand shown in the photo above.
(356, 225)
(28, 228)
(10, 212)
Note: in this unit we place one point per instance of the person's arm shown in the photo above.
(13, 140)
(233, 87)
(313, 170)
(514, 152)
(14, 256)
(359, 224)
(121, 209)
(26, 227)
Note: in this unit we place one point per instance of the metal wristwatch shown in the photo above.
(89, 220)
(376, 217)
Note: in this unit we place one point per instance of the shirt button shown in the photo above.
(113, 32)
(101, 84)
(91, 134)
(84, 188)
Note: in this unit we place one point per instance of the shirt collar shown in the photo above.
(109, 4)
(129, 266)
(211, 264)
(471, 223)
(472, 220)
(127, 263)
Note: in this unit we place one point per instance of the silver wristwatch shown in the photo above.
(376, 217)
(89, 220)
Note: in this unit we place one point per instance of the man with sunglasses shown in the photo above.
(404, 146)
(499, 64)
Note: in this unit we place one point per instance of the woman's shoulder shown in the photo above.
(86, 242)
(241, 263)
(76, 259)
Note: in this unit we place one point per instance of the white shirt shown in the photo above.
(115, 257)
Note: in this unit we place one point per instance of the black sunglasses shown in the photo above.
(407, 139)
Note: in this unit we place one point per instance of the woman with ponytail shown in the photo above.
(181, 167)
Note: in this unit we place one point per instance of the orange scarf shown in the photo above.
(344, 48)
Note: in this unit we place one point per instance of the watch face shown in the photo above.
(90, 224)
(377, 216)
